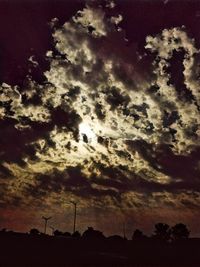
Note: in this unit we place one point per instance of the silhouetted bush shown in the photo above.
(180, 231)
(34, 231)
(138, 235)
(57, 233)
(67, 234)
(76, 234)
(90, 233)
(162, 232)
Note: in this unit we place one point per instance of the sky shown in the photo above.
(99, 104)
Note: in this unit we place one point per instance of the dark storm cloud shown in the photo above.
(99, 111)
(116, 99)
(180, 166)
(18, 130)
(4, 172)
(116, 180)
(183, 170)
(70, 180)
(67, 118)
(12, 143)
(145, 150)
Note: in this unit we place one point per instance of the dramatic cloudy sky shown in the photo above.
(99, 104)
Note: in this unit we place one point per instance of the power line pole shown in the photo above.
(53, 229)
(75, 212)
(45, 223)
(124, 230)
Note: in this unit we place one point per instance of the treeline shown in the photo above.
(164, 232)
(166, 246)
(161, 232)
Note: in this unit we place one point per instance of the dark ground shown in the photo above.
(29, 250)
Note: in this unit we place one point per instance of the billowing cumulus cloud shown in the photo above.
(102, 129)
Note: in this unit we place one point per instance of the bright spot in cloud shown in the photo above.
(85, 130)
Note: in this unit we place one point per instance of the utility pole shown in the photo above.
(75, 206)
(124, 230)
(53, 229)
(45, 223)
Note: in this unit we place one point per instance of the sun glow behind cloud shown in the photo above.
(86, 131)
(103, 131)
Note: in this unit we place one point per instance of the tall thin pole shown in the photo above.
(75, 217)
(45, 223)
(75, 211)
(124, 230)
(53, 229)
(45, 226)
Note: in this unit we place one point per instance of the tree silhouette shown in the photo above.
(180, 231)
(90, 233)
(138, 234)
(115, 238)
(34, 231)
(162, 231)
(76, 234)
(57, 233)
(67, 234)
